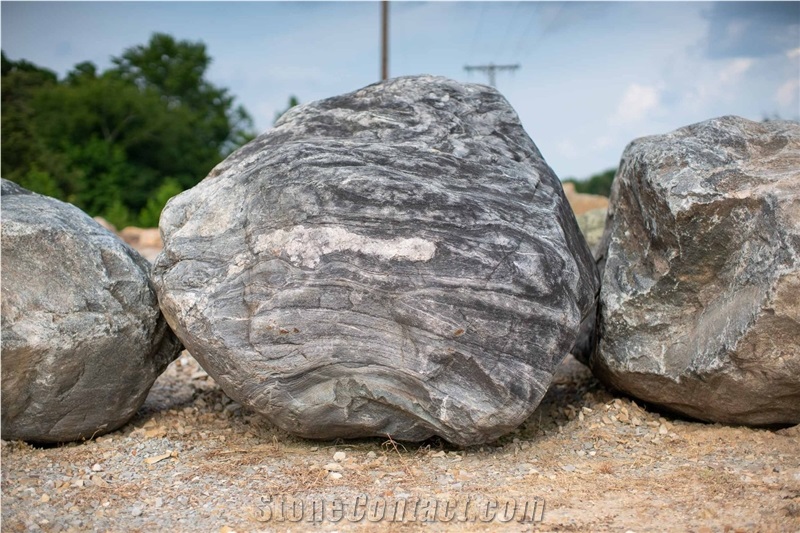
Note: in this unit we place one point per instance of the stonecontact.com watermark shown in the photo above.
(371, 508)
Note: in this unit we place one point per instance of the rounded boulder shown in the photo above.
(396, 261)
(83, 338)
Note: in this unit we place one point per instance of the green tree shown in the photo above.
(155, 204)
(97, 123)
(119, 143)
(26, 159)
(175, 71)
(39, 181)
(599, 184)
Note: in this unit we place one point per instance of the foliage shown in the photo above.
(119, 143)
(149, 216)
(40, 181)
(599, 184)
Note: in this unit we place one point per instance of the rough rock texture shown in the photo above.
(82, 336)
(592, 224)
(399, 260)
(700, 300)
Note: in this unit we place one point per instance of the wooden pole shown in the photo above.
(491, 69)
(384, 39)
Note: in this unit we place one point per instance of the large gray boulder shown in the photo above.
(395, 261)
(700, 299)
(82, 336)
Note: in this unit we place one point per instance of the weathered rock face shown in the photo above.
(592, 224)
(82, 336)
(399, 260)
(700, 301)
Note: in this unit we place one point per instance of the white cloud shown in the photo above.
(712, 86)
(794, 52)
(734, 70)
(788, 93)
(602, 142)
(637, 102)
(566, 148)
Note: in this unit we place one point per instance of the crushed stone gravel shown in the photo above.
(194, 460)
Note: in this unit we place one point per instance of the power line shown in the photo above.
(491, 69)
(505, 37)
(548, 25)
(477, 29)
(527, 29)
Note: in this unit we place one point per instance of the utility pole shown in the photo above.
(384, 40)
(491, 69)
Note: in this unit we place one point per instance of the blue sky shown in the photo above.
(593, 76)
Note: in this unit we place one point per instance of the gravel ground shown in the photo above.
(586, 460)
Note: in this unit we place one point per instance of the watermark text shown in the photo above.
(372, 508)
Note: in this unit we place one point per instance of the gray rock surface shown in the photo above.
(700, 299)
(398, 260)
(82, 336)
(592, 224)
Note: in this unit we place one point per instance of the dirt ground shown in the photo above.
(586, 460)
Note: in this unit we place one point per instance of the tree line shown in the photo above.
(597, 184)
(121, 142)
